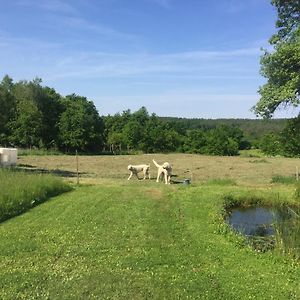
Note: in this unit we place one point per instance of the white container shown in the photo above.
(8, 157)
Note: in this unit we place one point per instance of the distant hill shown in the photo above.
(253, 128)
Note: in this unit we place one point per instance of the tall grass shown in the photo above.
(19, 191)
(288, 232)
(297, 192)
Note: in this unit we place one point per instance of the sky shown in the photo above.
(182, 58)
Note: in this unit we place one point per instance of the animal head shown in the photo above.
(129, 167)
(166, 166)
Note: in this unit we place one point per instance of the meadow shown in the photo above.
(249, 169)
(110, 238)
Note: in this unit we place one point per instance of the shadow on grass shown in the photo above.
(34, 170)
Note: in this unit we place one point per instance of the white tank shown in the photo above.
(8, 157)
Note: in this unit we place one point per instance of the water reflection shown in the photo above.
(257, 221)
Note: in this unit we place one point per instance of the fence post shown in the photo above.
(77, 167)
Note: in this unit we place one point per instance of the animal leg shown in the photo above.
(158, 176)
(166, 177)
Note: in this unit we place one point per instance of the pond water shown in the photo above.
(258, 221)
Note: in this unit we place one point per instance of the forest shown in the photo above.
(37, 116)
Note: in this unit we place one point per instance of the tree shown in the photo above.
(195, 141)
(48, 103)
(152, 139)
(270, 144)
(27, 125)
(282, 66)
(7, 108)
(133, 134)
(223, 140)
(290, 138)
(80, 126)
(115, 141)
(50, 106)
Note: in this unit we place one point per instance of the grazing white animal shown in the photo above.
(164, 169)
(137, 169)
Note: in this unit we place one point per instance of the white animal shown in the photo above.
(164, 169)
(137, 169)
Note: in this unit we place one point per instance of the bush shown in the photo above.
(270, 144)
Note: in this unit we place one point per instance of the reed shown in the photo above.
(288, 232)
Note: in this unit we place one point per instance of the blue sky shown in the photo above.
(185, 58)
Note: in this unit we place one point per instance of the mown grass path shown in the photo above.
(136, 241)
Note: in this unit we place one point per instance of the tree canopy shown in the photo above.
(281, 66)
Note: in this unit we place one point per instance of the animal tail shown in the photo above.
(156, 164)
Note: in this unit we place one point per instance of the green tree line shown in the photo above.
(35, 116)
(140, 131)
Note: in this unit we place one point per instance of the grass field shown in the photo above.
(249, 171)
(114, 239)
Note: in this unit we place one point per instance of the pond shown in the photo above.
(260, 221)
(266, 226)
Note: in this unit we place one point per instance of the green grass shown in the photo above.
(138, 240)
(297, 192)
(221, 181)
(284, 179)
(20, 191)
